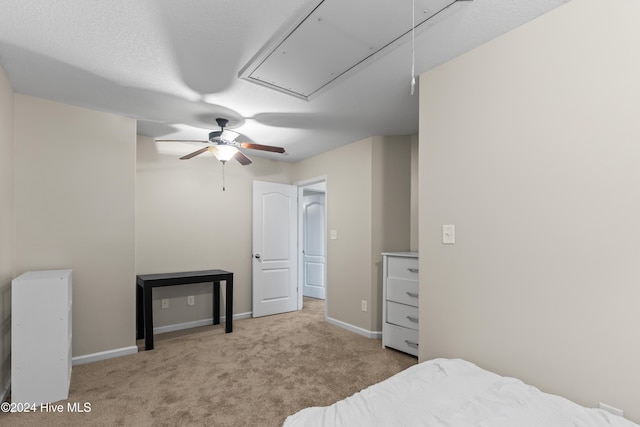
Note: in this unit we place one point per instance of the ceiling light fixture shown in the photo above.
(224, 152)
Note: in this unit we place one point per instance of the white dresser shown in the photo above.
(41, 336)
(400, 318)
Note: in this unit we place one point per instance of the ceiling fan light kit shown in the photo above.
(223, 152)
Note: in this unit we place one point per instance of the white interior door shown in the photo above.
(275, 287)
(313, 252)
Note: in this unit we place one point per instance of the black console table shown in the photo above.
(146, 282)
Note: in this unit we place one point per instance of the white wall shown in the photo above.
(74, 192)
(529, 144)
(7, 227)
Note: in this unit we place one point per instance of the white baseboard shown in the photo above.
(358, 330)
(125, 351)
(104, 355)
(196, 323)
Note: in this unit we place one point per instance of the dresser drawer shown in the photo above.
(402, 268)
(403, 291)
(402, 315)
(400, 338)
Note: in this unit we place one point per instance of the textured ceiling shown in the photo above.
(175, 66)
(326, 46)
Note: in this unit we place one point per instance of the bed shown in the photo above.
(453, 393)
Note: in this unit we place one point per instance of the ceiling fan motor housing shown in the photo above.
(222, 122)
(222, 136)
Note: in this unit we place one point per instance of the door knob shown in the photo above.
(257, 256)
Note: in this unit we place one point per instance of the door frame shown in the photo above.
(301, 187)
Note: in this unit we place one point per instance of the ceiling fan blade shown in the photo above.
(181, 140)
(195, 153)
(270, 148)
(244, 160)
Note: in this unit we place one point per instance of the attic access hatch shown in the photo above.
(334, 39)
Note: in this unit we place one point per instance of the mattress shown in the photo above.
(453, 393)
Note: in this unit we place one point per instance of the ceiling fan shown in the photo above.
(225, 147)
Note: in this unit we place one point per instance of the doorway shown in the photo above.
(312, 239)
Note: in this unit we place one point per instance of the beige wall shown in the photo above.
(529, 145)
(415, 195)
(348, 172)
(7, 227)
(110, 216)
(390, 209)
(364, 210)
(74, 189)
(184, 221)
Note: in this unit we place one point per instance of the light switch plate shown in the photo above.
(449, 234)
(333, 234)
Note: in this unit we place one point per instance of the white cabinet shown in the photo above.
(41, 336)
(400, 317)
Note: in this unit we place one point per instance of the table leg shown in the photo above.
(148, 317)
(228, 324)
(216, 303)
(139, 315)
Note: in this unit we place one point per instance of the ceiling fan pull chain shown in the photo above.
(223, 185)
(413, 46)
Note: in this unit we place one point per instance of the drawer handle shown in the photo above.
(413, 270)
(412, 294)
(412, 319)
(411, 343)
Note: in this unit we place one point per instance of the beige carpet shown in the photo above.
(266, 369)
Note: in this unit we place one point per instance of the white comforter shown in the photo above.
(456, 393)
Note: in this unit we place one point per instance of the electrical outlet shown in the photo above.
(363, 305)
(165, 303)
(191, 300)
(610, 409)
